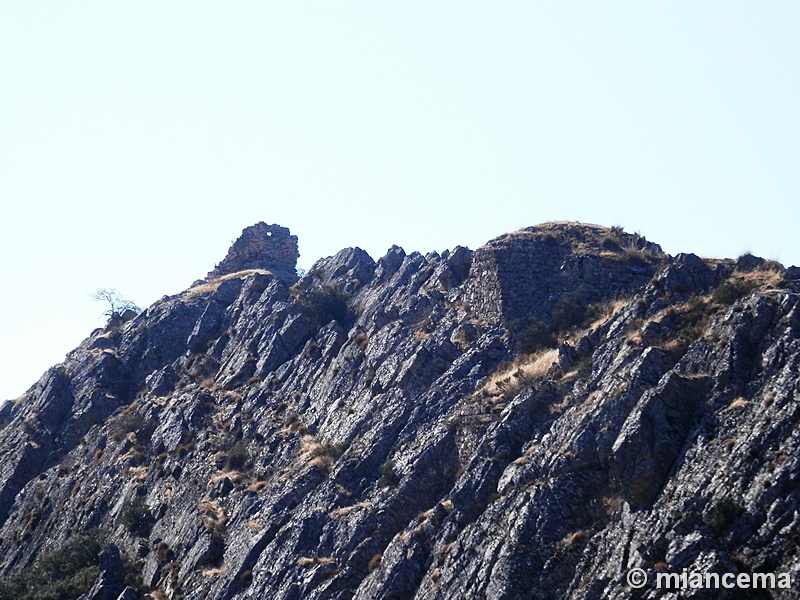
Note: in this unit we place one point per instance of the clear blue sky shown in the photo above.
(137, 139)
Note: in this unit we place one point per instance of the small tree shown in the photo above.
(117, 303)
(137, 517)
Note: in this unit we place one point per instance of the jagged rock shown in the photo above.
(687, 274)
(374, 428)
(653, 435)
(109, 583)
(348, 271)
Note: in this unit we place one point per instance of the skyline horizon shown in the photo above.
(136, 142)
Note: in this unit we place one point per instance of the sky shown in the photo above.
(138, 139)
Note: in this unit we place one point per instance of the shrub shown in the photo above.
(163, 553)
(570, 310)
(611, 241)
(130, 421)
(237, 456)
(137, 517)
(182, 450)
(638, 257)
(534, 336)
(388, 476)
(731, 291)
(723, 515)
(323, 305)
(333, 451)
(67, 573)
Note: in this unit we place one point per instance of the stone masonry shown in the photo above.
(262, 246)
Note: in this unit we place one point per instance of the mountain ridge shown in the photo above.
(526, 420)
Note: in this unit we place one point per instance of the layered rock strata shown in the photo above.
(424, 426)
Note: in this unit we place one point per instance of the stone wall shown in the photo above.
(262, 246)
(522, 274)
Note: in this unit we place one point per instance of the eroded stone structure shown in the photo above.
(262, 246)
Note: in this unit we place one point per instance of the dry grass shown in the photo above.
(587, 238)
(557, 227)
(339, 513)
(633, 331)
(234, 476)
(571, 539)
(612, 503)
(257, 486)
(253, 525)
(215, 572)
(424, 516)
(21, 399)
(523, 371)
(444, 549)
(208, 287)
(294, 424)
(138, 474)
(319, 455)
(213, 515)
(283, 474)
(134, 453)
(737, 403)
(308, 561)
(692, 317)
(309, 445)
(765, 278)
(374, 562)
(606, 310)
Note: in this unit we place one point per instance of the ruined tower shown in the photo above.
(262, 246)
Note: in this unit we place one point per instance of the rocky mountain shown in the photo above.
(531, 419)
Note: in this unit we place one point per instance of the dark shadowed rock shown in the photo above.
(109, 583)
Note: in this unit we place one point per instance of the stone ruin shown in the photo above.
(262, 246)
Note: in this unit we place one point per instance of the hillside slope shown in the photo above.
(527, 420)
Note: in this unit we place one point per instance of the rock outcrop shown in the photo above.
(531, 419)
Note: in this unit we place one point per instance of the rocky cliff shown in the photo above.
(531, 419)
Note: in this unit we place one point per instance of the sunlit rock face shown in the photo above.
(530, 419)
